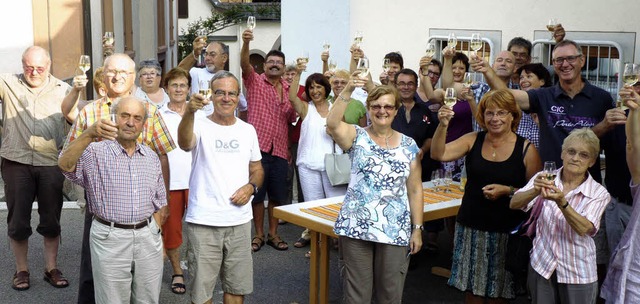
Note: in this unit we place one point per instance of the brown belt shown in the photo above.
(124, 226)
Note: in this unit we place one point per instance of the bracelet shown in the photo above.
(511, 191)
(565, 206)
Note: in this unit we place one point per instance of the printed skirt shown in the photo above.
(478, 264)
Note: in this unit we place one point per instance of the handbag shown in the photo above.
(520, 241)
(338, 167)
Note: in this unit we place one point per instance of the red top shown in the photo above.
(269, 113)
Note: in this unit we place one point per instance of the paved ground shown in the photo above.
(280, 277)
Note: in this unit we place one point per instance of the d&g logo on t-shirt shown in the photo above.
(227, 147)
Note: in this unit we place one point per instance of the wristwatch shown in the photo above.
(255, 188)
(421, 227)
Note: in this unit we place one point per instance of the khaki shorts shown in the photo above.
(208, 245)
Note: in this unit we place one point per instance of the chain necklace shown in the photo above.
(386, 139)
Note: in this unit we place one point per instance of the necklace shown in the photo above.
(386, 139)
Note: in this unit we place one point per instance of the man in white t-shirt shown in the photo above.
(215, 58)
(218, 217)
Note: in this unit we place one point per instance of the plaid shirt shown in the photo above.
(154, 132)
(120, 188)
(557, 247)
(269, 113)
(529, 129)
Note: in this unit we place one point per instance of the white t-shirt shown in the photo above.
(143, 95)
(179, 160)
(198, 74)
(220, 166)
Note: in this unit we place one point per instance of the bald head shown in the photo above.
(119, 75)
(36, 64)
(131, 114)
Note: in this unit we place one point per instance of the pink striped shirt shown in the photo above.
(557, 247)
(120, 188)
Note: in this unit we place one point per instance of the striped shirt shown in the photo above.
(154, 132)
(557, 247)
(120, 188)
(34, 128)
(269, 112)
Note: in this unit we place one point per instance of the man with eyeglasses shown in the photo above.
(572, 103)
(119, 76)
(216, 56)
(270, 113)
(33, 130)
(149, 88)
(226, 173)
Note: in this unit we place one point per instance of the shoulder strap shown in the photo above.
(524, 152)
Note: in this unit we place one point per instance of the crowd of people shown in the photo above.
(164, 153)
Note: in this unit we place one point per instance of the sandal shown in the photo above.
(55, 277)
(307, 255)
(257, 242)
(175, 287)
(21, 278)
(301, 242)
(277, 243)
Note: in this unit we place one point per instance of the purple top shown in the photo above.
(622, 282)
(461, 123)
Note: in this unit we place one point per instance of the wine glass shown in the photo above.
(326, 45)
(204, 89)
(476, 43)
(550, 170)
(363, 67)
(448, 179)
(452, 41)
(450, 98)
(551, 27)
(304, 58)
(357, 39)
(108, 38)
(467, 81)
(386, 65)
(251, 22)
(85, 63)
(332, 65)
(630, 74)
(431, 49)
(435, 179)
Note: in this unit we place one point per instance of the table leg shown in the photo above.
(313, 270)
(324, 268)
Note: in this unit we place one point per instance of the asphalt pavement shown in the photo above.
(279, 276)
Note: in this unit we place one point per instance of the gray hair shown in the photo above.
(151, 64)
(586, 136)
(142, 103)
(224, 74)
(224, 47)
(568, 42)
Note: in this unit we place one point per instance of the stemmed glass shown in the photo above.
(550, 170)
(326, 45)
(436, 177)
(332, 65)
(304, 58)
(467, 81)
(108, 38)
(204, 89)
(431, 49)
(551, 27)
(357, 39)
(452, 41)
(363, 67)
(386, 65)
(448, 179)
(630, 74)
(251, 22)
(475, 44)
(85, 63)
(450, 98)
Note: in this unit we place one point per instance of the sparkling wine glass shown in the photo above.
(452, 41)
(108, 38)
(332, 65)
(363, 67)
(326, 45)
(551, 27)
(386, 65)
(85, 63)
(450, 98)
(357, 39)
(436, 178)
(476, 44)
(204, 89)
(251, 22)
(467, 81)
(304, 58)
(448, 179)
(431, 49)
(550, 170)
(630, 74)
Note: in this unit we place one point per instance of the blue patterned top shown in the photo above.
(376, 205)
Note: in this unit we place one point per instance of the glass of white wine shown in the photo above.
(251, 22)
(452, 41)
(431, 49)
(108, 38)
(630, 74)
(450, 98)
(551, 27)
(476, 43)
(326, 45)
(204, 89)
(332, 65)
(363, 67)
(386, 65)
(357, 39)
(550, 170)
(304, 58)
(85, 63)
(436, 178)
(448, 179)
(467, 81)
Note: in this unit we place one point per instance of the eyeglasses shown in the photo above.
(30, 69)
(499, 114)
(222, 93)
(406, 84)
(569, 59)
(583, 155)
(210, 54)
(152, 75)
(385, 107)
(175, 86)
(338, 82)
(274, 62)
(430, 73)
(113, 73)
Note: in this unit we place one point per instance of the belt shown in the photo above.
(124, 226)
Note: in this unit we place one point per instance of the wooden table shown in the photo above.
(322, 228)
